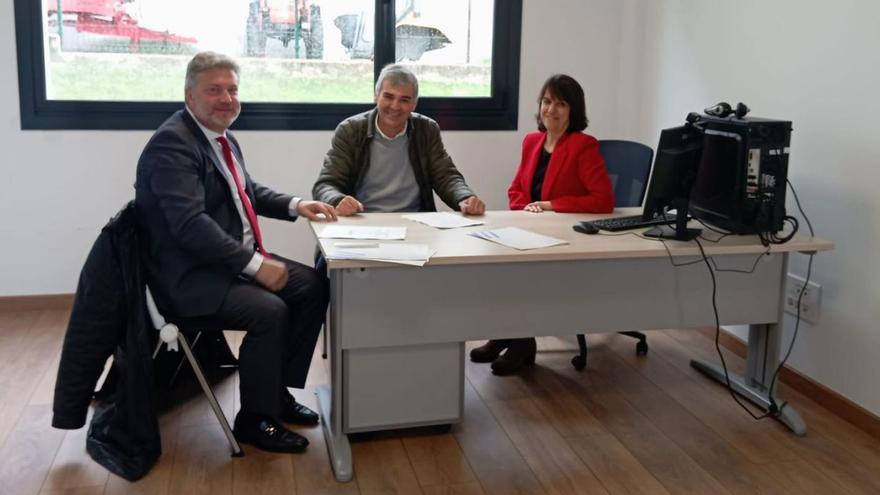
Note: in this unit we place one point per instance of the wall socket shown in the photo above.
(810, 302)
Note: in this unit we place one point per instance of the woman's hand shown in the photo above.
(539, 206)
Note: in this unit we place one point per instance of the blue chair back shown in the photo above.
(629, 166)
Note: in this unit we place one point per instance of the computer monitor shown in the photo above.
(741, 179)
(727, 172)
(675, 169)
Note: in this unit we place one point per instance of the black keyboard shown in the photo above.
(632, 222)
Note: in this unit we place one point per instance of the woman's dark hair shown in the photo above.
(565, 88)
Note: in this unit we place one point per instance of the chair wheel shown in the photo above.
(641, 348)
(579, 362)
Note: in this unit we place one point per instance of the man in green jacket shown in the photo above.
(392, 159)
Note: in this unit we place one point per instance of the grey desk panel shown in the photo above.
(400, 387)
(399, 306)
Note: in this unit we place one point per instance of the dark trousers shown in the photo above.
(282, 329)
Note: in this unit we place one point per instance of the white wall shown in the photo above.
(62, 186)
(816, 64)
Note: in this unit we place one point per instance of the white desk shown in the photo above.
(397, 333)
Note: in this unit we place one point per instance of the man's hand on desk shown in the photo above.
(472, 206)
(272, 274)
(314, 209)
(349, 206)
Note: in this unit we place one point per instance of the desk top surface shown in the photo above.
(455, 246)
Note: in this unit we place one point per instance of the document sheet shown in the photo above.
(402, 253)
(355, 232)
(518, 238)
(443, 220)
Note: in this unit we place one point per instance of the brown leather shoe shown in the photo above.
(520, 353)
(489, 351)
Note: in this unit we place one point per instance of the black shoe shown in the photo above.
(489, 351)
(520, 353)
(294, 412)
(267, 434)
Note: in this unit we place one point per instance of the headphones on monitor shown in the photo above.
(723, 109)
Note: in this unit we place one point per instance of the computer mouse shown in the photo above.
(585, 228)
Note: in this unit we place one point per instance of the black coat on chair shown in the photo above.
(110, 318)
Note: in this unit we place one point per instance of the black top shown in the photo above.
(538, 179)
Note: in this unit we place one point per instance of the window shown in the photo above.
(306, 64)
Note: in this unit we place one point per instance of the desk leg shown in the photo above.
(761, 363)
(338, 446)
(330, 398)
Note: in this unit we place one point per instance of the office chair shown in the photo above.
(171, 336)
(629, 166)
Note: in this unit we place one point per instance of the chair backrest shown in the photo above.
(629, 165)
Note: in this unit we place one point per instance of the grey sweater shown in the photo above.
(348, 160)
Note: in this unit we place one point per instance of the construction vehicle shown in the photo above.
(412, 37)
(110, 26)
(287, 21)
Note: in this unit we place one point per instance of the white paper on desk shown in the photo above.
(442, 220)
(403, 253)
(518, 238)
(354, 232)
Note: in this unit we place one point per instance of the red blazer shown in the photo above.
(576, 180)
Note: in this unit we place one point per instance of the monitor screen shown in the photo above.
(675, 164)
(717, 185)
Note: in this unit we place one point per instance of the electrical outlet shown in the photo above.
(810, 302)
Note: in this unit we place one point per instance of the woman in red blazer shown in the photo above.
(561, 170)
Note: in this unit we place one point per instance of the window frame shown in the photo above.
(496, 112)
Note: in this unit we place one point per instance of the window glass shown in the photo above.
(305, 64)
(448, 45)
(137, 50)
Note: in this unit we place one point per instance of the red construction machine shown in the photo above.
(109, 25)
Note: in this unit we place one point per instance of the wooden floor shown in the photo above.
(626, 424)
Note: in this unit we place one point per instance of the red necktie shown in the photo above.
(245, 200)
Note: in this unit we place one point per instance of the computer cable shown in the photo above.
(709, 261)
(694, 262)
(773, 238)
(797, 321)
(723, 233)
(711, 265)
(705, 259)
(763, 220)
(800, 208)
(737, 270)
(714, 241)
(656, 239)
(774, 409)
(718, 335)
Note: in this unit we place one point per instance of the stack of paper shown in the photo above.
(442, 220)
(402, 253)
(518, 238)
(353, 232)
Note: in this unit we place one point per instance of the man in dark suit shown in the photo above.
(205, 258)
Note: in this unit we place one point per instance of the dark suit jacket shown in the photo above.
(576, 180)
(190, 227)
